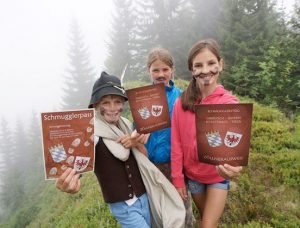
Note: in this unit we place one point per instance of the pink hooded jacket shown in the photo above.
(184, 155)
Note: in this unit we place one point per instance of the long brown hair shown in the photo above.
(192, 93)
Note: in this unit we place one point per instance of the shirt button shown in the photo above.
(130, 195)
(129, 175)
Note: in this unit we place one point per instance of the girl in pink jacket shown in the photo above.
(208, 184)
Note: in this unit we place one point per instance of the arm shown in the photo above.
(69, 181)
(177, 154)
(135, 140)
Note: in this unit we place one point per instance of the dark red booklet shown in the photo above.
(68, 141)
(149, 108)
(224, 133)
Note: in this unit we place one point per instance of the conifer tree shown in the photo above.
(80, 77)
(248, 29)
(205, 19)
(6, 162)
(120, 44)
(161, 24)
(35, 156)
(12, 191)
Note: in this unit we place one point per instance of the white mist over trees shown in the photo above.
(254, 36)
(259, 44)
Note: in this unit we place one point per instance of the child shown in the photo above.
(160, 65)
(115, 166)
(123, 172)
(207, 183)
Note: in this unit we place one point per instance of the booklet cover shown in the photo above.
(149, 108)
(223, 133)
(68, 141)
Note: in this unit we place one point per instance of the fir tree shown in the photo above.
(161, 24)
(12, 191)
(248, 29)
(120, 45)
(80, 77)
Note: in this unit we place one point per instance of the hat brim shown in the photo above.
(106, 91)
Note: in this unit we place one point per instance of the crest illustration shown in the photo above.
(58, 153)
(214, 139)
(81, 163)
(156, 110)
(144, 113)
(232, 139)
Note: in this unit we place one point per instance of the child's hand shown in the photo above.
(127, 141)
(140, 138)
(228, 172)
(133, 140)
(183, 193)
(69, 181)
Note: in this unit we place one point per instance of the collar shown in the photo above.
(170, 87)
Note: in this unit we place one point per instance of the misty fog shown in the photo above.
(36, 60)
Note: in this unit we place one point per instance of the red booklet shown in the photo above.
(223, 133)
(149, 108)
(68, 141)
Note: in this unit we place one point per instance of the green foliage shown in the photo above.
(267, 193)
(255, 195)
(181, 84)
(52, 208)
(258, 42)
(271, 131)
(276, 76)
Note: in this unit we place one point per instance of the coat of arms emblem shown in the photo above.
(58, 153)
(156, 110)
(81, 163)
(214, 139)
(144, 113)
(232, 139)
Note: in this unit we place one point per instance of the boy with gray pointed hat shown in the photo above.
(115, 166)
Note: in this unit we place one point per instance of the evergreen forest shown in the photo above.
(260, 45)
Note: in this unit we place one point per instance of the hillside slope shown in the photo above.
(267, 193)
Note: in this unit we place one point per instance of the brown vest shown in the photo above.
(118, 180)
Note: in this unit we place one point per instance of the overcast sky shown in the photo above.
(34, 46)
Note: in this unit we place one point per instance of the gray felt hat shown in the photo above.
(106, 85)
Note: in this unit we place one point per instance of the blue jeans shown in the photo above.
(196, 187)
(136, 215)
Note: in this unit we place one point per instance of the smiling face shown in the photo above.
(206, 68)
(160, 72)
(110, 108)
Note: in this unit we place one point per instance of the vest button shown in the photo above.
(127, 166)
(129, 186)
(129, 175)
(130, 195)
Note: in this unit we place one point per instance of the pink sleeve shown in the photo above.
(176, 149)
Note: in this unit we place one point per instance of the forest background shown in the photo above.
(260, 46)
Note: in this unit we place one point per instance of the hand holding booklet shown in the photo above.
(68, 141)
